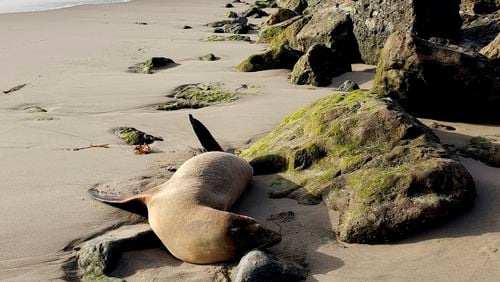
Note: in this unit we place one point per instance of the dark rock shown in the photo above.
(298, 6)
(232, 15)
(281, 57)
(14, 89)
(333, 28)
(98, 257)
(480, 6)
(236, 28)
(218, 30)
(34, 109)
(480, 31)
(485, 149)
(229, 5)
(240, 20)
(382, 169)
(319, 65)
(280, 16)
(266, 3)
(258, 266)
(132, 136)
(268, 33)
(432, 80)
(186, 27)
(348, 86)
(374, 21)
(255, 11)
(436, 125)
(152, 65)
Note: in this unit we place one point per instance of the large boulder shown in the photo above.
(281, 57)
(289, 35)
(332, 27)
(298, 6)
(319, 65)
(382, 169)
(374, 21)
(432, 80)
(479, 31)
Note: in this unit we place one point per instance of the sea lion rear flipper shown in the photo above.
(206, 139)
(134, 203)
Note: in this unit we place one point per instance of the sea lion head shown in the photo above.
(247, 234)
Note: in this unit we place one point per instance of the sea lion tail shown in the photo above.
(206, 139)
(134, 203)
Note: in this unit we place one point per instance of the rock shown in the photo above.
(14, 89)
(235, 37)
(240, 20)
(480, 6)
(348, 86)
(186, 27)
(152, 65)
(319, 65)
(98, 257)
(236, 28)
(218, 30)
(270, 32)
(255, 11)
(34, 109)
(280, 16)
(492, 50)
(208, 57)
(485, 149)
(333, 28)
(197, 95)
(440, 126)
(229, 5)
(289, 35)
(480, 31)
(276, 58)
(374, 21)
(132, 136)
(383, 170)
(257, 266)
(298, 6)
(266, 3)
(432, 80)
(232, 15)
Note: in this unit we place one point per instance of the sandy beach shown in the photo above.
(74, 63)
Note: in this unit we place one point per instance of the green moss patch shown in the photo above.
(234, 37)
(132, 136)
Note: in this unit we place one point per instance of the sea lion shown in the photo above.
(189, 212)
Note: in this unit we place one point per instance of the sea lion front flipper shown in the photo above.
(206, 139)
(134, 203)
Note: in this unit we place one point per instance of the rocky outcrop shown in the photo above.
(288, 36)
(333, 28)
(374, 21)
(298, 6)
(257, 266)
(281, 57)
(319, 65)
(480, 31)
(479, 6)
(432, 80)
(270, 32)
(492, 50)
(383, 170)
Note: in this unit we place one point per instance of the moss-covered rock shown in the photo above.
(281, 57)
(234, 37)
(132, 136)
(231, 15)
(280, 16)
(239, 20)
(209, 57)
(152, 65)
(432, 80)
(254, 12)
(319, 65)
(298, 6)
(268, 33)
(289, 35)
(198, 95)
(383, 170)
(266, 3)
(483, 148)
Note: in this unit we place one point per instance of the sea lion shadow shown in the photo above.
(305, 229)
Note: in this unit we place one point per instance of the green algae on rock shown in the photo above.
(234, 37)
(152, 65)
(208, 57)
(383, 170)
(269, 32)
(132, 136)
(198, 95)
(281, 57)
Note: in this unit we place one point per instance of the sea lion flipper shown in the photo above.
(204, 136)
(134, 203)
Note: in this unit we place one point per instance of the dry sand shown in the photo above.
(74, 63)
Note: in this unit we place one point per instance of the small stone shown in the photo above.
(132, 136)
(218, 30)
(152, 65)
(232, 15)
(208, 57)
(259, 266)
(229, 5)
(186, 27)
(348, 86)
